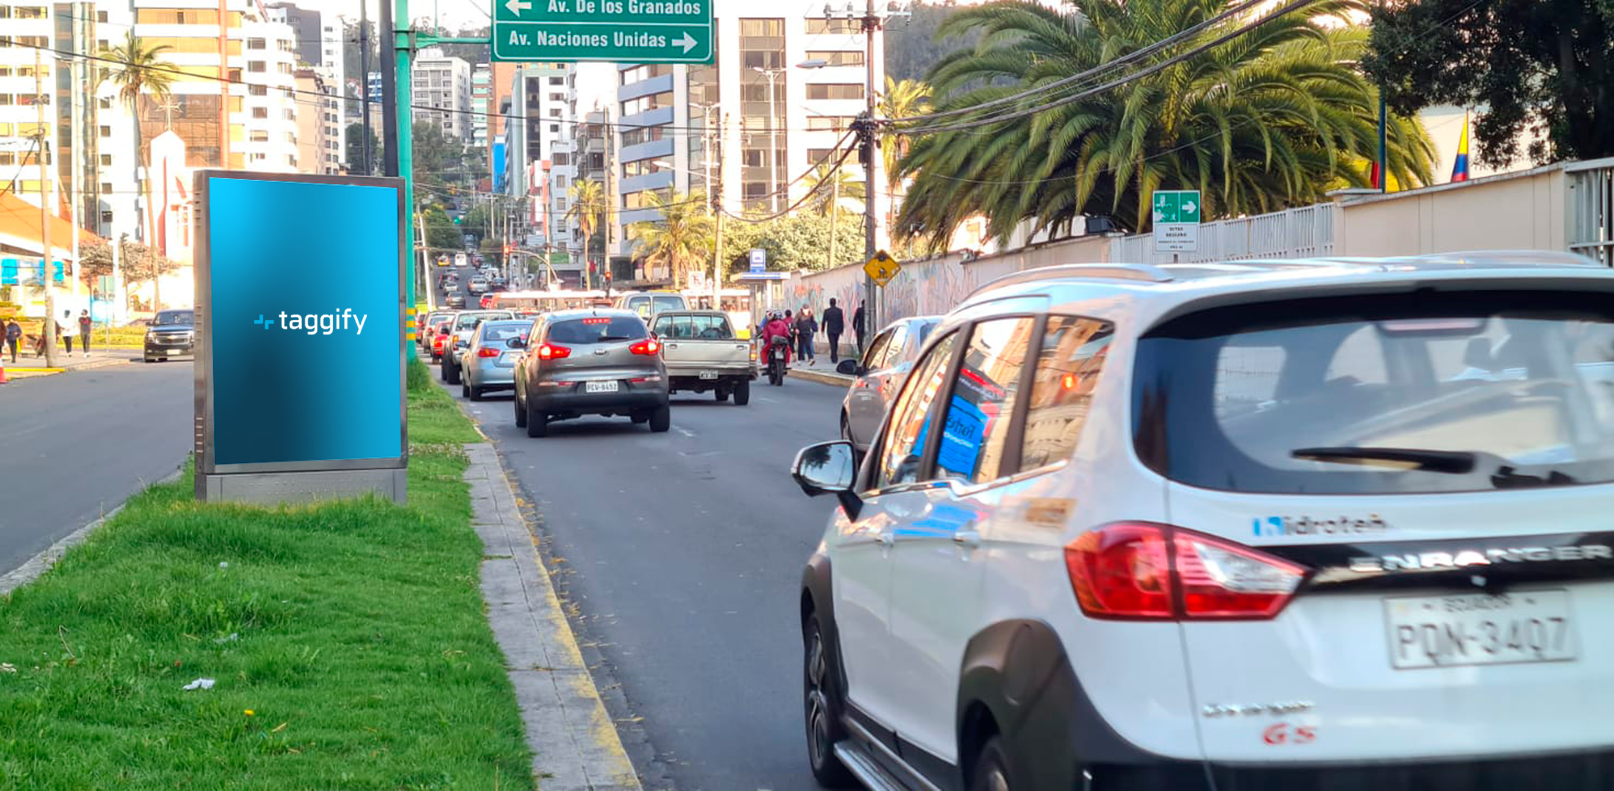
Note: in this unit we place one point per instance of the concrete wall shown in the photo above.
(1513, 211)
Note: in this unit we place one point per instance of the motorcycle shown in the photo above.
(778, 354)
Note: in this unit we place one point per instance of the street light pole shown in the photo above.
(871, 25)
(42, 156)
(773, 136)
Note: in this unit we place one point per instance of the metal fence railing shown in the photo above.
(1306, 232)
(1589, 209)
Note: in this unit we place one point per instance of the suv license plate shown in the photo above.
(1480, 629)
(599, 387)
(708, 374)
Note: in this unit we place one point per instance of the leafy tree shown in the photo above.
(355, 150)
(910, 47)
(903, 99)
(831, 177)
(681, 239)
(442, 235)
(438, 160)
(138, 69)
(1272, 118)
(1543, 66)
(588, 207)
(492, 251)
(138, 263)
(797, 241)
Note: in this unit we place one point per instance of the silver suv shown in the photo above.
(879, 373)
(590, 362)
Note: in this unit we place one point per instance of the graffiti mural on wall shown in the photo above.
(923, 288)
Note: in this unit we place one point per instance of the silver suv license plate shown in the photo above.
(1480, 629)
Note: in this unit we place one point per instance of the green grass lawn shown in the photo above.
(348, 642)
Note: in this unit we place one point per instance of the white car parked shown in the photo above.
(1256, 525)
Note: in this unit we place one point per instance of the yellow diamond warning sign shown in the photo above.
(882, 268)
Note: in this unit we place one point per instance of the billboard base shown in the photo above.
(277, 488)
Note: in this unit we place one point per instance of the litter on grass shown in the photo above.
(201, 683)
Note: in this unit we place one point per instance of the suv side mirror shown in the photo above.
(828, 468)
(850, 368)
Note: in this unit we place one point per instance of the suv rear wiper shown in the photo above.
(1447, 461)
(1454, 462)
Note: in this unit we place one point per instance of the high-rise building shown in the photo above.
(538, 159)
(319, 124)
(790, 82)
(481, 99)
(318, 38)
(443, 82)
(593, 151)
(70, 138)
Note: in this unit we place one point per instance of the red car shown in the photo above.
(438, 334)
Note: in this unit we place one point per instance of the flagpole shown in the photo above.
(1384, 117)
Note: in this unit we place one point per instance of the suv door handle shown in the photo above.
(886, 539)
(672, 345)
(967, 538)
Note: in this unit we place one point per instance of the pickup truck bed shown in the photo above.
(703, 355)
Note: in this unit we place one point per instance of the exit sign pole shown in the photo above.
(627, 31)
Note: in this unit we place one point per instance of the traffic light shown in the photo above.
(457, 220)
(506, 248)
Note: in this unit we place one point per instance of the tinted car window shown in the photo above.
(707, 328)
(169, 318)
(601, 329)
(893, 351)
(876, 349)
(1357, 395)
(503, 332)
(901, 452)
(976, 428)
(669, 303)
(468, 320)
(1071, 355)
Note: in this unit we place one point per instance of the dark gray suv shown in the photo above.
(590, 362)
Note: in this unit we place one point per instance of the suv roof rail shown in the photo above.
(1142, 272)
(1482, 257)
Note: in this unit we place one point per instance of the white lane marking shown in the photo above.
(686, 432)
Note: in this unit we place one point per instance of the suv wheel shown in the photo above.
(521, 411)
(822, 707)
(991, 768)
(661, 419)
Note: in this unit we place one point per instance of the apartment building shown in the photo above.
(443, 83)
(538, 164)
(481, 99)
(318, 38)
(593, 152)
(319, 124)
(790, 82)
(31, 75)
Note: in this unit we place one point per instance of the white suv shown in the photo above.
(1259, 525)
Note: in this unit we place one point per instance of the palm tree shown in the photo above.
(681, 239)
(903, 99)
(824, 180)
(588, 206)
(138, 69)
(1272, 118)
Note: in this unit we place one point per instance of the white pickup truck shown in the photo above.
(703, 354)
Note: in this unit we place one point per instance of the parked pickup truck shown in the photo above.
(703, 354)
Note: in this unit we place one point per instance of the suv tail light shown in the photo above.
(1147, 571)
(649, 346)
(549, 351)
(487, 351)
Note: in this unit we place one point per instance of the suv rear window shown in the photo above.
(172, 318)
(1384, 394)
(601, 329)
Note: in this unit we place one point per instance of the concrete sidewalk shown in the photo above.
(823, 373)
(29, 365)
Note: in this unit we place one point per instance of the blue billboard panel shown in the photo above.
(302, 328)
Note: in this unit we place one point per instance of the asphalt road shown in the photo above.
(77, 445)
(683, 553)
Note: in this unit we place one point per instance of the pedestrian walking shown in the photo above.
(64, 329)
(834, 325)
(858, 328)
(806, 328)
(13, 337)
(84, 331)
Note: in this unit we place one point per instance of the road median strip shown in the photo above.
(346, 641)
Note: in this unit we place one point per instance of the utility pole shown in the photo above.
(871, 307)
(397, 117)
(43, 156)
(717, 202)
(364, 86)
(834, 212)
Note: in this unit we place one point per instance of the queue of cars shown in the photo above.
(1254, 525)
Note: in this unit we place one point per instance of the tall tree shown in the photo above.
(824, 180)
(138, 68)
(355, 150)
(1530, 66)
(681, 239)
(903, 99)
(1274, 117)
(587, 209)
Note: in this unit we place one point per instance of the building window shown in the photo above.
(106, 160)
(106, 131)
(255, 43)
(106, 216)
(259, 136)
(647, 103)
(837, 57)
(258, 90)
(554, 127)
(840, 90)
(833, 26)
(106, 103)
(100, 16)
(290, 115)
(260, 112)
(557, 81)
(256, 67)
(828, 123)
(106, 186)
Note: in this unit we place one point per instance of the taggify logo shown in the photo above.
(317, 323)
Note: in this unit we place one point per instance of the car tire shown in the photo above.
(443, 371)
(991, 772)
(742, 393)
(721, 395)
(149, 360)
(661, 419)
(465, 388)
(537, 423)
(640, 417)
(521, 411)
(473, 392)
(454, 374)
(821, 708)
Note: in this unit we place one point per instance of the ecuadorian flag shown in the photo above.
(1459, 169)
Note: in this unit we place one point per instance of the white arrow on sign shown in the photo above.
(687, 41)
(516, 6)
(1190, 207)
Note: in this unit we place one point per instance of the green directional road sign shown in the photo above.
(624, 31)
(1176, 221)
